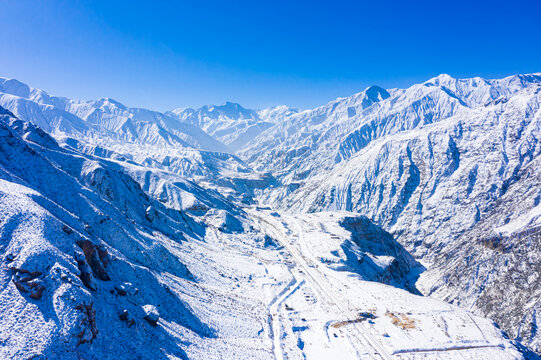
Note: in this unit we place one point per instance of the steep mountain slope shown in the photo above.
(496, 269)
(432, 164)
(81, 244)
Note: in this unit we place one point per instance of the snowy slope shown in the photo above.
(82, 233)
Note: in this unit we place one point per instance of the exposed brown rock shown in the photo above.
(120, 290)
(89, 328)
(86, 274)
(19, 286)
(67, 229)
(27, 281)
(151, 314)
(37, 289)
(92, 255)
(103, 255)
(123, 315)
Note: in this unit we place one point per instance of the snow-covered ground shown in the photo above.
(331, 311)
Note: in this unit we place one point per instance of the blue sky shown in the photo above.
(166, 54)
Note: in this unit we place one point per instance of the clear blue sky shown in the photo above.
(166, 54)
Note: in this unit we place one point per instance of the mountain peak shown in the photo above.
(376, 93)
(440, 79)
(14, 87)
(108, 102)
(232, 104)
(229, 109)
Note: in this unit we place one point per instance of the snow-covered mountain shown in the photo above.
(433, 164)
(129, 229)
(230, 123)
(109, 129)
(101, 119)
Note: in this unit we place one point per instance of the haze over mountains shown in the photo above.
(275, 232)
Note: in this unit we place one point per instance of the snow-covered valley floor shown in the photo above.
(324, 313)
